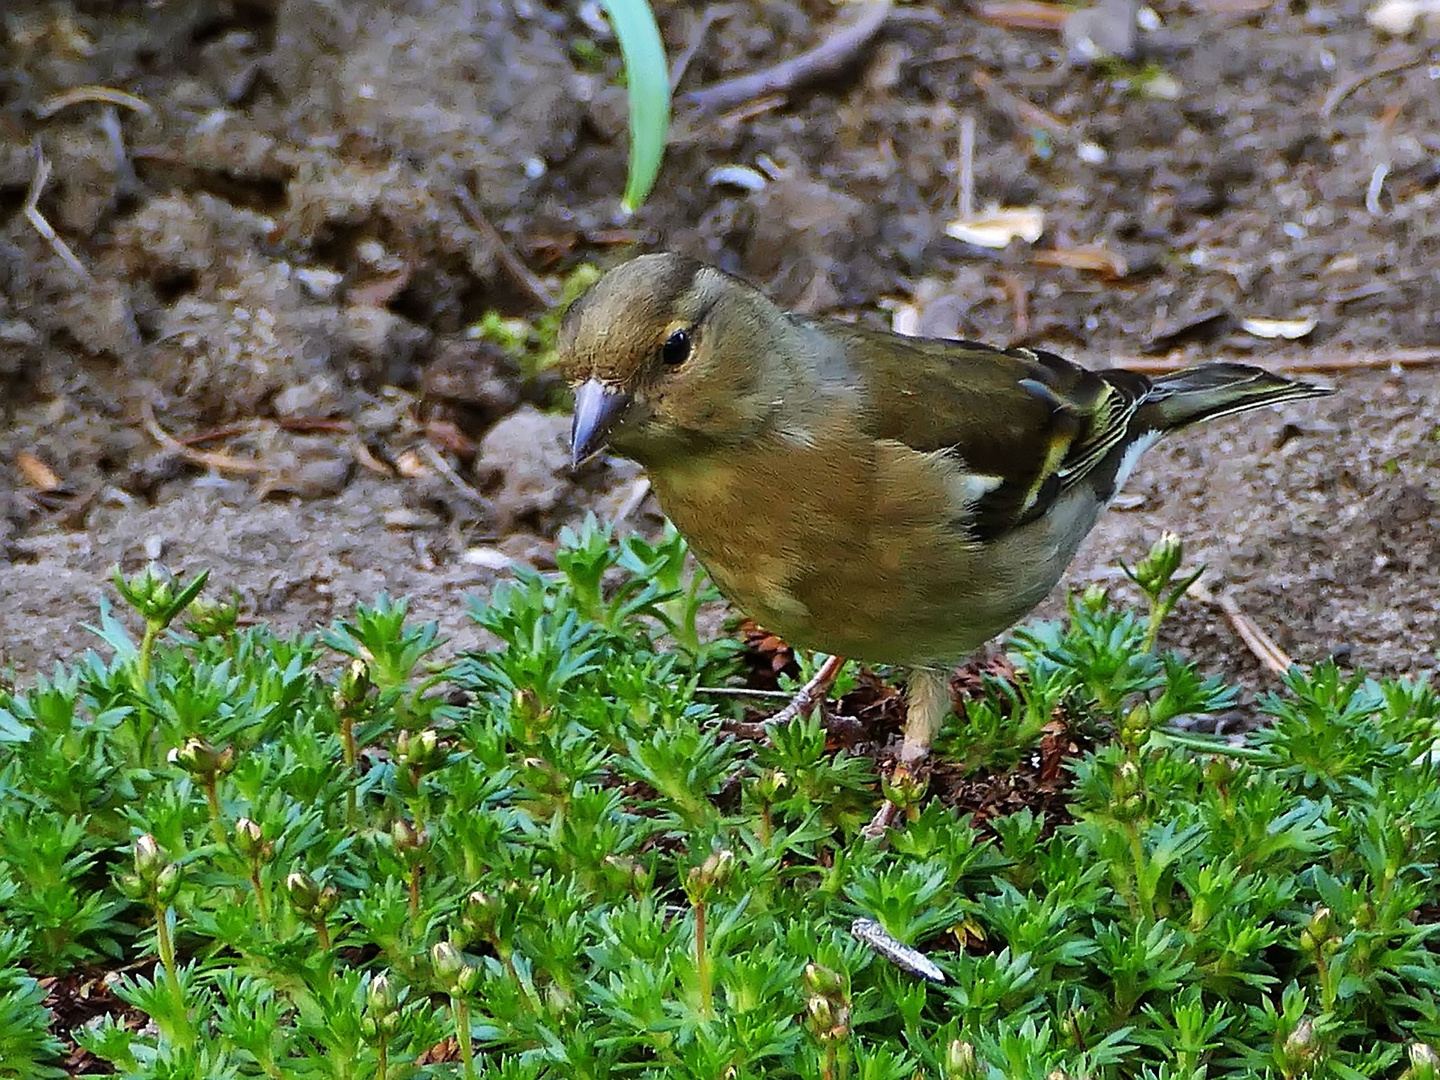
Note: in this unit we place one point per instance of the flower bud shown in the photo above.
(326, 902)
(903, 788)
(1154, 572)
(821, 981)
(960, 1061)
(1135, 728)
(199, 758)
(419, 750)
(409, 841)
(354, 686)
(302, 892)
(446, 961)
(167, 884)
(452, 971)
(380, 997)
(1317, 931)
(1364, 916)
(1094, 598)
(209, 618)
(829, 1021)
(1299, 1051)
(149, 859)
(1424, 1062)
(480, 914)
(717, 867)
(249, 841)
(1127, 792)
(770, 784)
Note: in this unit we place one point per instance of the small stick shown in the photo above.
(79, 94)
(1401, 358)
(1260, 644)
(218, 462)
(1020, 303)
(368, 461)
(37, 219)
(967, 167)
(634, 499)
(829, 57)
(1010, 102)
(697, 39)
(512, 262)
(743, 692)
(1350, 85)
(1375, 187)
(445, 469)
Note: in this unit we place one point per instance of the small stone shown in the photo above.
(319, 283)
(524, 467)
(405, 518)
(319, 396)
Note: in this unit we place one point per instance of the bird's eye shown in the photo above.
(676, 349)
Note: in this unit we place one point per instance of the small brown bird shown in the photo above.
(893, 499)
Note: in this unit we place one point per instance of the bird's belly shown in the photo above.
(874, 578)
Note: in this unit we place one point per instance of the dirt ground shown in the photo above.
(249, 350)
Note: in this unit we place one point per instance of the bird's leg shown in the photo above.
(927, 703)
(811, 694)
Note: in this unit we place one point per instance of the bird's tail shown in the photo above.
(1207, 391)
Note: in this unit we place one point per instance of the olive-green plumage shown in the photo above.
(888, 498)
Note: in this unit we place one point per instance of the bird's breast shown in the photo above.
(857, 549)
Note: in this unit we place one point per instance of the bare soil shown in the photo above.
(271, 265)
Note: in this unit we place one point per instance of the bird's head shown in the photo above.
(667, 356)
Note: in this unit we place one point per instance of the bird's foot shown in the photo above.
(806, 698)
(904, 789)
(811, 694)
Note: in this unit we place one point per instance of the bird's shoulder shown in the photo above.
(1024, 425)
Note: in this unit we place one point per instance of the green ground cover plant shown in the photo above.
(334, 856)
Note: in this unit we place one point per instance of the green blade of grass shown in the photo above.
(648, 80)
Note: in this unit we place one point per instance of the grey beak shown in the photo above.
(597, 409)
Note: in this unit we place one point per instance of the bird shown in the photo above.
(864, 494)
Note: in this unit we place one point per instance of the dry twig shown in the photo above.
(1400, 358)
(37, 219)
(513, 264)
(436, 461)
(218, 462)
(967, 167)
(1275, 659)
(708, 18)
(1347, 87)
(1017, 108)
(831, 56)
(77, 95)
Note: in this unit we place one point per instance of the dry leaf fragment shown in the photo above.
(1289, 329)
(1025, 14)
(37, 474)
(409, 464)
(1091, 257)
(997, 228)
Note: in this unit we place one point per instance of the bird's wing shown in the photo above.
(1025, 425)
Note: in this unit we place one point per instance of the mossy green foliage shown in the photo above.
(531, 344)
(325, 856)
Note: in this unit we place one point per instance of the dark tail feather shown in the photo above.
(1207, 391)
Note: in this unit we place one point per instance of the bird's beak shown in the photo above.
(597, 409)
